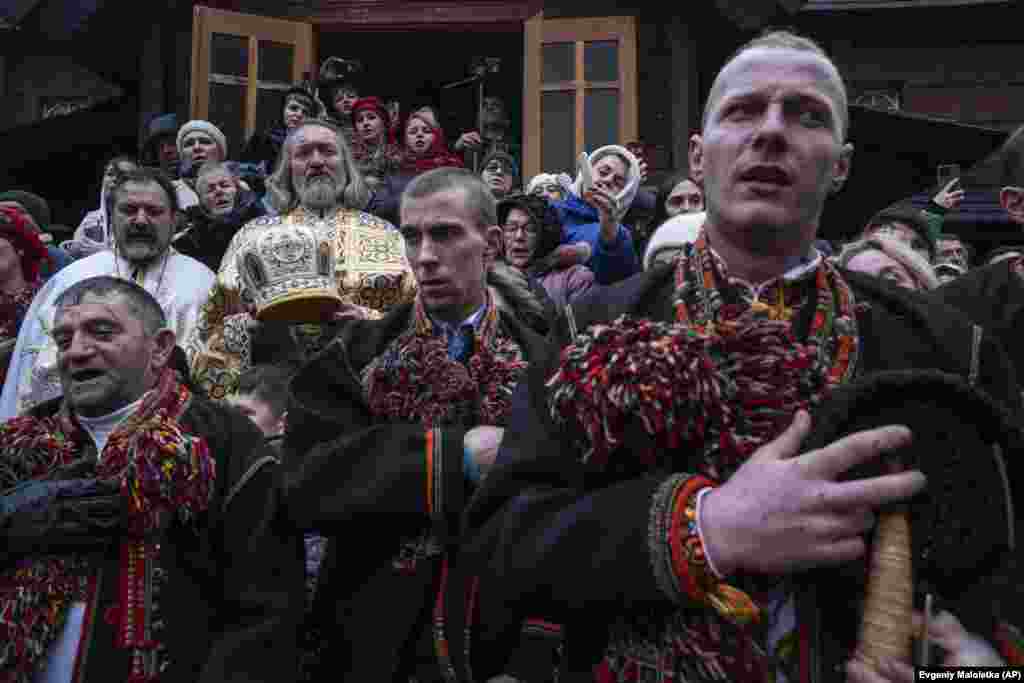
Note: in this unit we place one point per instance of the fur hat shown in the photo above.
(962, 524)
(213, 131)
(34, 205)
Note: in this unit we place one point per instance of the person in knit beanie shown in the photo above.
(500, 173)
(375, 155)
(160, 146)
(197, 142)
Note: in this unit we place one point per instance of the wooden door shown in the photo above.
(241, 66)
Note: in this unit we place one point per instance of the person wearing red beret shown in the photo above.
(376, 156)
(21, 255)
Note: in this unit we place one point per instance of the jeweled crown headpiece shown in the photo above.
(290, 272)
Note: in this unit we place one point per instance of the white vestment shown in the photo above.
(180, 283)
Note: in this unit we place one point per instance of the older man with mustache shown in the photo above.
(317, 185)
(143, 209)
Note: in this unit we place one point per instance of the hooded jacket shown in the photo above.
(582, 223)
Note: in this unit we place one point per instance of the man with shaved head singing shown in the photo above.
(654, 492)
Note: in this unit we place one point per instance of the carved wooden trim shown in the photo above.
(390, 14)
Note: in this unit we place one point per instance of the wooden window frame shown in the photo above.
(206, 21)
(540, 32)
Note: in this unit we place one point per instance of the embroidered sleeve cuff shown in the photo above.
(681, 567)
(700, 533)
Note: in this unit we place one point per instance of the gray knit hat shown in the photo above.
(204, 127)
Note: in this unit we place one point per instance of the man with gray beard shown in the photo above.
(316, 184)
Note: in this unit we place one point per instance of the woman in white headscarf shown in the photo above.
(593, 209)
(93, 233)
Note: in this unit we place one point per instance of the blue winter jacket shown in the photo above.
(581, 223)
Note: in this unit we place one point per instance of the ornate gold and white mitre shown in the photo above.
(372, 273)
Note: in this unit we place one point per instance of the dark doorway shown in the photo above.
(414, 66)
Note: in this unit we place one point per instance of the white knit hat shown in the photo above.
(561, 179)
(674, 234)
(208, 128)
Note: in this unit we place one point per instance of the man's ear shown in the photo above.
(495, 248)
(843, 166)
(696, 154)
(1012, 200)
(282, 423)
(164, 342)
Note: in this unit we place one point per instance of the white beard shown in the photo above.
(319, 194)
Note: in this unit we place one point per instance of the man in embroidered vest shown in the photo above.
(130, 517)
(317, 185)
(390, 428)
(144, 211)
(647, 492)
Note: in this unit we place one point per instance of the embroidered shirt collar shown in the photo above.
(798, 270)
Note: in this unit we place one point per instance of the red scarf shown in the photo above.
(720, 380)
(437, 156)
(415, 380)
(164, 474)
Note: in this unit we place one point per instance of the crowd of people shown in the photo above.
(558, 428)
